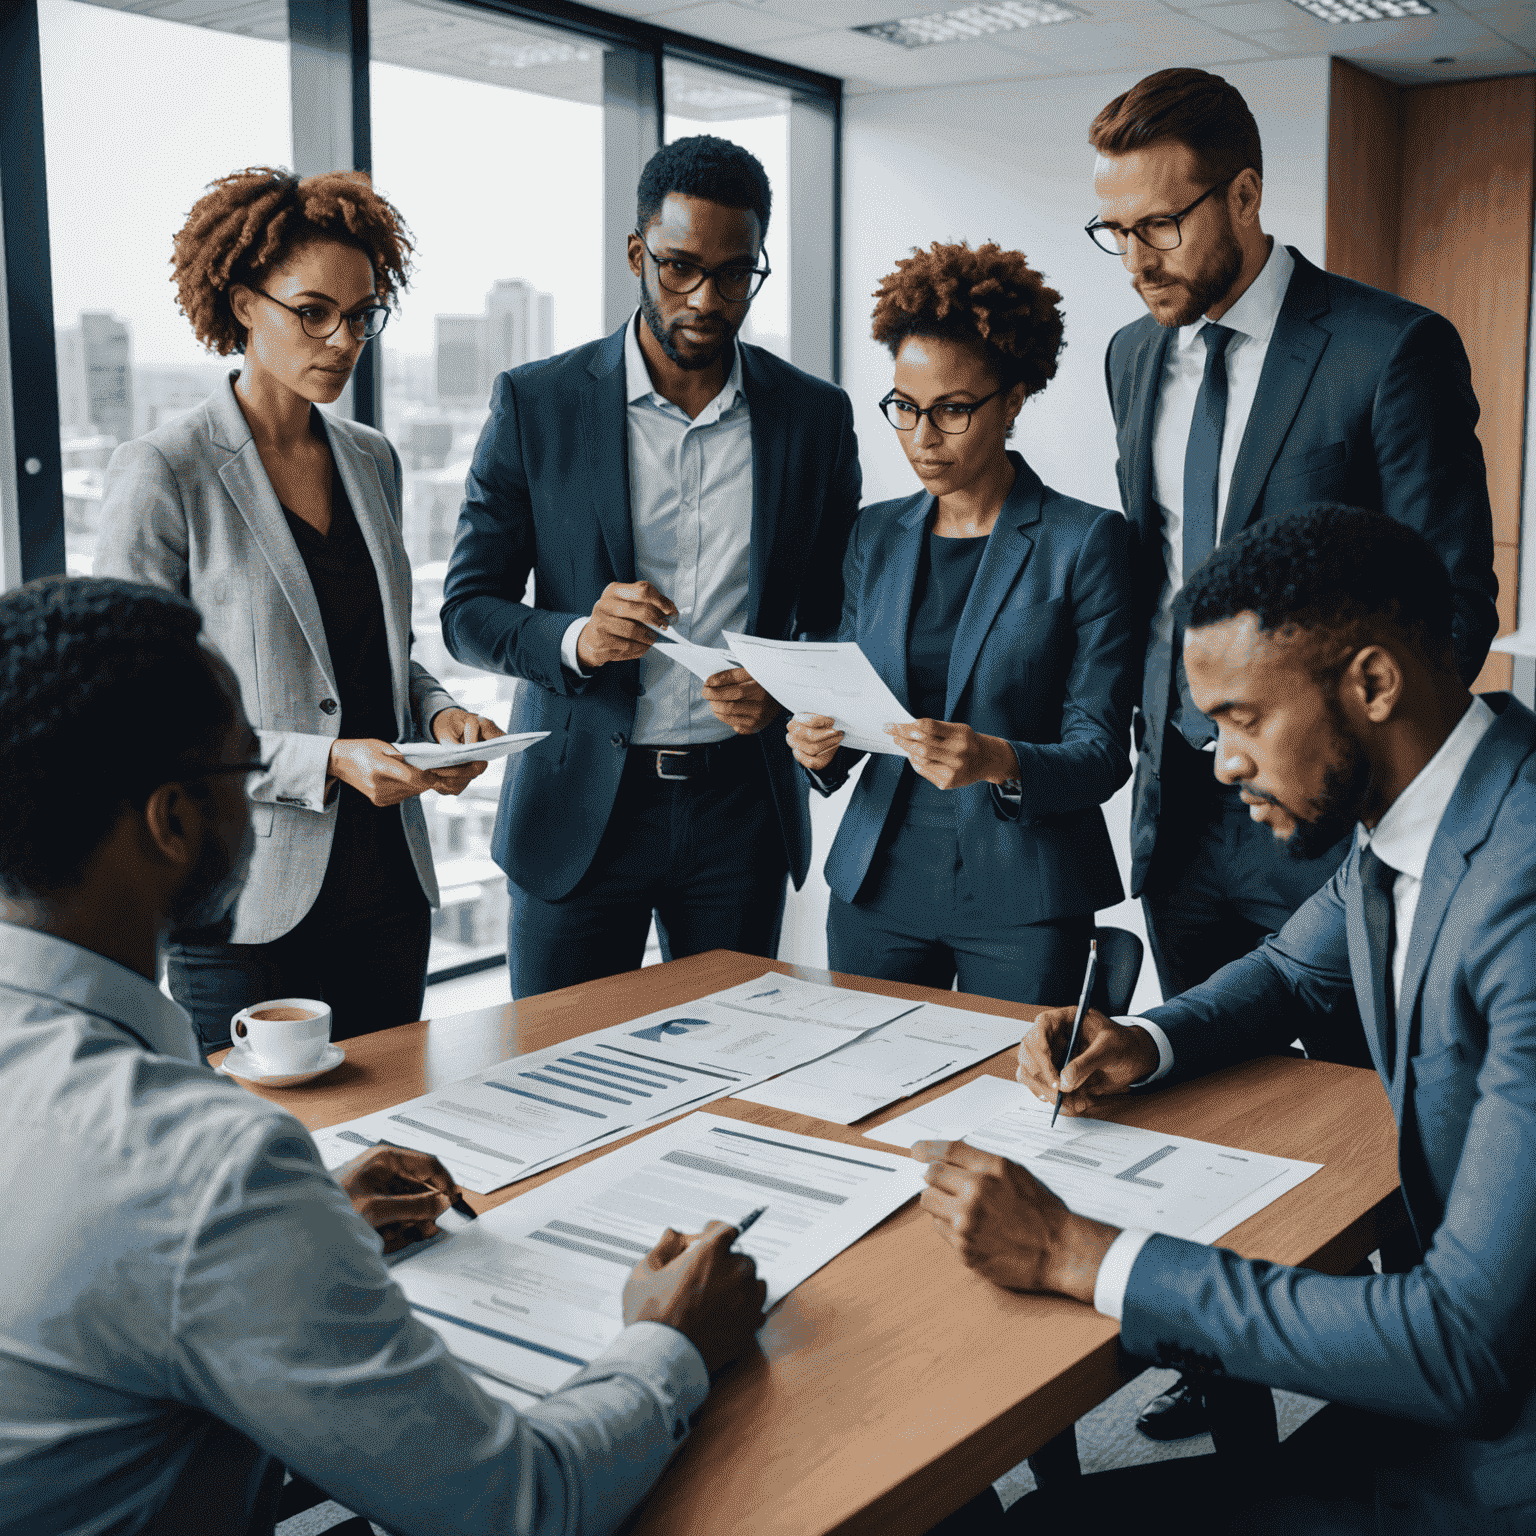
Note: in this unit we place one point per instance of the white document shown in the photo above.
(422, 754)
(921, 1048)
(788, 997)
(951, 1116)
(833, 678)
(533, 1112)
(533, 1290)
(1135, 1178)
(703, 662)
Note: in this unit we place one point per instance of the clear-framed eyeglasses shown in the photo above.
(1160, 234)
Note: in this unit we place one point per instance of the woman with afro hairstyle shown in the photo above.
(999, 612)
(282, 524)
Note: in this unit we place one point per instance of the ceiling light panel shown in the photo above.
(1339, 11)
(974, 21)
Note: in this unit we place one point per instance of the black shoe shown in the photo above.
(1176, 1415)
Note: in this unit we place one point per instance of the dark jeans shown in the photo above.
(373, 972)
(705, 855)
(917, 920)
(1220, 884)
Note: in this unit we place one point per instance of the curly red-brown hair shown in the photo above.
(247, 224)
(989, 298)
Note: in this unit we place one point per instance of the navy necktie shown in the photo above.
(1376, 881)
(1202, 468)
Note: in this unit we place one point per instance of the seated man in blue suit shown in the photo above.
(670, 478)
(1321, 645)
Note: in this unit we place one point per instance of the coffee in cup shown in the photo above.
(286, 1034)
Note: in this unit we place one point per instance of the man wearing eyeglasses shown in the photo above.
(667, 481)
(1256, 384)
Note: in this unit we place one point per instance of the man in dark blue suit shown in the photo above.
(1322, 646)
(1255, 383)
(669, 478)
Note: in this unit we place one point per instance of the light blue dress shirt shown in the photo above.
(690, 502)
(186, 1294)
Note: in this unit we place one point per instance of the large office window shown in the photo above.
(701, 100)
(488, 136)
(122, 171)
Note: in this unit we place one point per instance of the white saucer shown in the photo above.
(239, 1063)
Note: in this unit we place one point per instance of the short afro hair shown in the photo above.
(106, 692)
(989, 298)
(247, 224)
(1346, 576)
(708, 167)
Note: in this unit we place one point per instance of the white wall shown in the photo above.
(1010, 162)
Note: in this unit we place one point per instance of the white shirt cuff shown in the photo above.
(1162, 1042)
(1115, 1273)
(568, 647)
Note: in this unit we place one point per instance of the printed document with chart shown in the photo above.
(532, 1112)
(1149, 1180)
(533, 1290)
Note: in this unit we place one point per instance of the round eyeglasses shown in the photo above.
(321, 319)
(1160, 234)
(735, 282)
(951, 417)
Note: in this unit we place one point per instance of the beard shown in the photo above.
(693, 362)
(1346, 787)
(1208, 286)
(213, 886)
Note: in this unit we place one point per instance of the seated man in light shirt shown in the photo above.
(188, 1302)
(1320, 644)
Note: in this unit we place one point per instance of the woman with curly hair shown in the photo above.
(282, 524)
(1000, 613)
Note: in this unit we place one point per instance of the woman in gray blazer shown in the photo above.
(999, 612)
(283, 525)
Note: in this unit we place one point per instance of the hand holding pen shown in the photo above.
(1111, 1058)
(400, 1193)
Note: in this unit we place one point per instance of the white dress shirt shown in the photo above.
(1402, 840)
(690, 498)
(185, 1292)
(1253, 318)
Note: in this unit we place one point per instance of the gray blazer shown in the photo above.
(190, 507)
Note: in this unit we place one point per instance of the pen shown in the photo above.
(458, 1205)
(1077, 1021)
(747, 1220)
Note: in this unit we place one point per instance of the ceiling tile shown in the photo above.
(856, 56)
(839, 14)
(740, 26)
(1262, 16)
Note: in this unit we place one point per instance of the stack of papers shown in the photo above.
(535, 1111)
(923, 1047)
(1129, 1177)
(532, 1291)
(422, 754)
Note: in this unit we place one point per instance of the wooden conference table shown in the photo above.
(894, 1384)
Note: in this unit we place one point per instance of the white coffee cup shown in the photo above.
(286, 1034)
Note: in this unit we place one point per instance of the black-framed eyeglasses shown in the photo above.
(951, 417)
(1159, 234)
(321, 320)
(734, 282)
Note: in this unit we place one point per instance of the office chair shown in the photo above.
(1120, 953)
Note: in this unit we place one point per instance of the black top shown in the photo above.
(946, 568)
(370, 867)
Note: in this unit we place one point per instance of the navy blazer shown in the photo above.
(1364, 399)
(1045, 655)
(548, 494)
(1451, 1345)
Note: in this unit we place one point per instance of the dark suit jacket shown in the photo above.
(1452, 1344)
(548, 493)
(1364, 399)
(1044, 656)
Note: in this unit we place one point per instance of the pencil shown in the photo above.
(1077, 1021)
